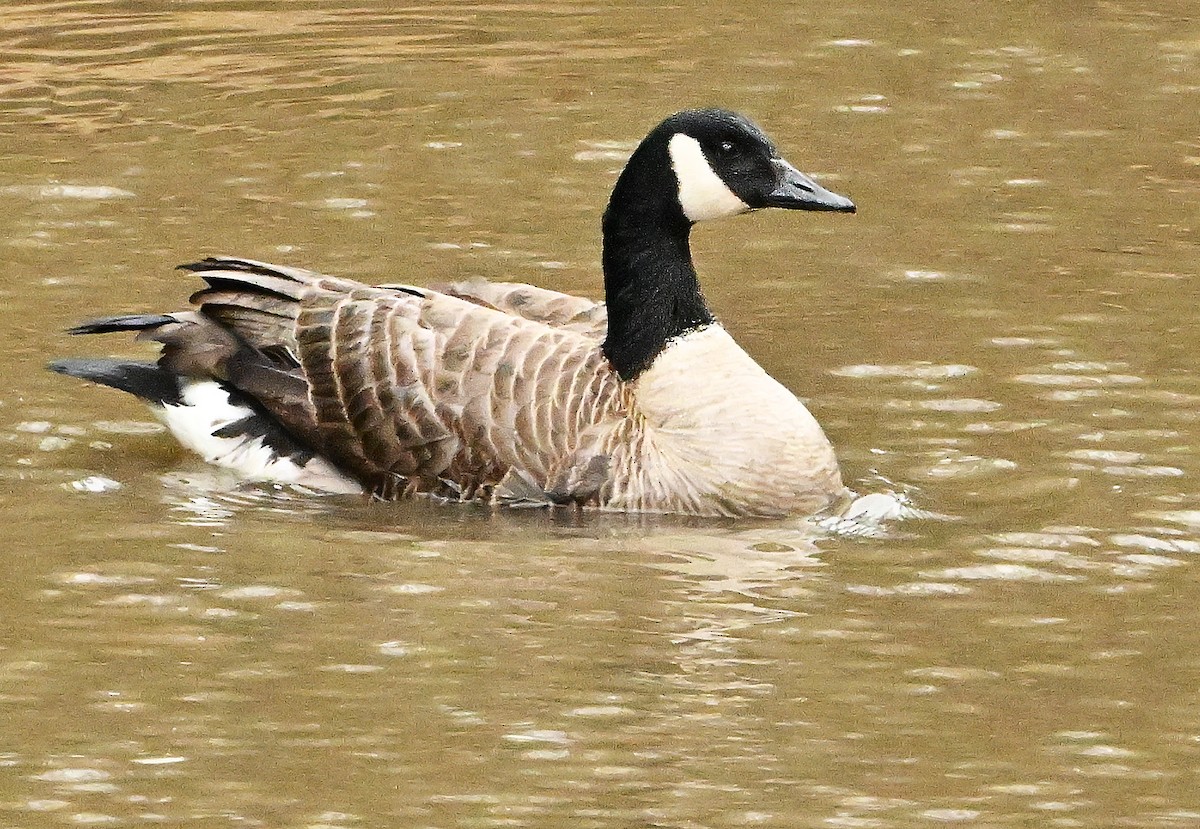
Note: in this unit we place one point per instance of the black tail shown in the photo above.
(127, 323)
(145, 380)
(131, 322)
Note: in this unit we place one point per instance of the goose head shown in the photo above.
(725, 165)
(696, 165)
(703, 164)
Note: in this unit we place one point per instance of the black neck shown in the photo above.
(650, 284)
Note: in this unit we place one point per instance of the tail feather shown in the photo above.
(390, 383)
(234, 263)
(241, 336)
(273, 286)
(213, 266)
(241, 297)
(128, 322)
(145, 380)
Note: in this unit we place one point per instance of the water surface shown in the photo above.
(1006, 332)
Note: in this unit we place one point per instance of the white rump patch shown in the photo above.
(702, 193)
(207, 408)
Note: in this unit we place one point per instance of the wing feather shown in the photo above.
(552, 308)
(415, 384)
(405, 388)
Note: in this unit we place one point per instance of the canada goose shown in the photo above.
(505, 391)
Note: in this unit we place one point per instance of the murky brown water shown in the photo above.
(1007, 330)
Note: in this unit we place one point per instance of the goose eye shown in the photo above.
(727, 148)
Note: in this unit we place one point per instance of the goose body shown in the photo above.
(503, 391)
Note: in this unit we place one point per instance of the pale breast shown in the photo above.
(712, 433)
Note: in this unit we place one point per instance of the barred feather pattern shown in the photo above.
(498, 392)
(564, 311)
(411, 389)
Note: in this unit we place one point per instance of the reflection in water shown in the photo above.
(1005, 335)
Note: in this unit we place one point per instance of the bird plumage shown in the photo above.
(504, 391)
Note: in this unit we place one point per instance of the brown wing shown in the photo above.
(557, 310)
(408, 386)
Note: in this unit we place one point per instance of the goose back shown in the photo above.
(558, 310)
(408, 388)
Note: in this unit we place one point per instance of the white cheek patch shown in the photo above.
(702, 194)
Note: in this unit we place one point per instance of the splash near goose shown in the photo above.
(502, 391)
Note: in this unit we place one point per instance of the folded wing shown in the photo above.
(404, 388)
